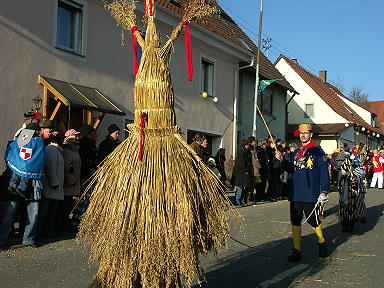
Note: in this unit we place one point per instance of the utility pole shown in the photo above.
(257, 69)
(267, 45)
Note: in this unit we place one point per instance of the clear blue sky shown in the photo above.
(344, 37)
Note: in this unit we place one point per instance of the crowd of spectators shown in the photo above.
(257, 176)
(46, 171)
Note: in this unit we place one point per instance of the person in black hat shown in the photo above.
(53, 185)
(88, 151)
(29, 117)
(46, 128)
(110, 142)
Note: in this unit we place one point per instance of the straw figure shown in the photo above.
(155, 205)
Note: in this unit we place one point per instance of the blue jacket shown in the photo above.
(309, 175)
(27, 161)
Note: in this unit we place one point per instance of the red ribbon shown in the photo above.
(150, 8)
(134, 48)
(188, 49)
(143, 117)
(145, 7)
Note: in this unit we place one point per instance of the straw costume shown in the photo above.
(155, 205)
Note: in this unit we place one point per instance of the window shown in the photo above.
(207, 76)
(69, 34)
(266, 102)
(309, 111)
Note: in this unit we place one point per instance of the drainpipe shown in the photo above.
(286, 114)
(234, 136)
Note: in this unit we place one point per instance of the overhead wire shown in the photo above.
(251, 30)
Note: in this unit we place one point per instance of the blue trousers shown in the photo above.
(240, 191)
(7, 216)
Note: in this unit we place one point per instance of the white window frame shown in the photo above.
(76, 4)
(306, 115)
(213, 81)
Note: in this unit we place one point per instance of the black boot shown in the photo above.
(323, 252)
(295, 256)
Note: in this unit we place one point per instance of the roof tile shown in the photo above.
(226, 28)
(329, 94)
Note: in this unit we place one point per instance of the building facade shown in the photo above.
(337, 121)
(69, 54)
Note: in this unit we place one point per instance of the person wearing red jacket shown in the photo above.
(378, 162)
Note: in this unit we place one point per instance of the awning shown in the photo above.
(79, 96)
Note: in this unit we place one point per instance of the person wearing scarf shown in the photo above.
(310, 179)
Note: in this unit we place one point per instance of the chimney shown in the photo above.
(294, 60)
(323, 75)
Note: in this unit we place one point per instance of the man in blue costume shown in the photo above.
(310, 183)
(25, 157)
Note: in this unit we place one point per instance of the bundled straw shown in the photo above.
(148, 220)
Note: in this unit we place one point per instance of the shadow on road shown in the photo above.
(255, 265)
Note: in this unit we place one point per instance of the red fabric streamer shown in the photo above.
(150, 8)
(143, 117)
(134, 49)
(304, 147)
(145, 7)
(188, 49)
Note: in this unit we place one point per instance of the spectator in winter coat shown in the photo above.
(205, 155)
(110, 142)
(88, 152)
(72, 171)
(46, 128)
(220, 164)
(242, 172)
(196, 144)
(53, 185)
(212, 165)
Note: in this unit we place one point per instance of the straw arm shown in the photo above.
(165, 51)
(139, 38)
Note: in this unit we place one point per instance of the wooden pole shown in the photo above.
(55, 111)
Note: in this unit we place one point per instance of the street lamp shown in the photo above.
(37, 103)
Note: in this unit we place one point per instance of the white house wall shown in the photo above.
(27, 51)
(275, 122)
(366, 115)
(328, 145)
(323, 114)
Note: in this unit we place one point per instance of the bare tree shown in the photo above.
(358, 95)
(339, 84)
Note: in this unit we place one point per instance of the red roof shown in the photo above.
(329, 94)
(227, 29)
(376, 107)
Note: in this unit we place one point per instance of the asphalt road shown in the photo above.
(256, 255)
